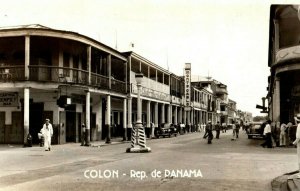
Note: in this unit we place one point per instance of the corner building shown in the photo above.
(284, 62)
(39, 66)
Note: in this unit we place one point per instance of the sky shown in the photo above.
(227, 40)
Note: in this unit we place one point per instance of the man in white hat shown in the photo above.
(47, 132)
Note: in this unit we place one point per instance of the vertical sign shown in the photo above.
(187, 88)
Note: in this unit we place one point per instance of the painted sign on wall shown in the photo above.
(9, 99)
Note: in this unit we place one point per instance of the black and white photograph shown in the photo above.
(134, 95)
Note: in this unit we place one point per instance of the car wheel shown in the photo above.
(175, 134)
(249, 137)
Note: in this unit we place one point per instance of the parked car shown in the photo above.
(256, 129)
(166, 130)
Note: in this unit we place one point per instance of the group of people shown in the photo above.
(218, 128)
(280, 135)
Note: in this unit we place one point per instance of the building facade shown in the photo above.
(73, 79)
(284, 80)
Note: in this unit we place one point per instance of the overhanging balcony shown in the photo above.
(63, 75)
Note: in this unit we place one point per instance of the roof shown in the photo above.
(38, 27)
(31, 26)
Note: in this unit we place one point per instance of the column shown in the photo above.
(276, 101)
(169, 113)
(109, 70)
(175, 116)
(148, 127)
(27, 56)
(163, 113)
(107, 118)
(129, 117)
(89, 58)
(124, 119)
(184, 117)
(180, 115)
(155, 118)
(87, 117)
(26, 114)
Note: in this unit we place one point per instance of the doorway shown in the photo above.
(36, 120)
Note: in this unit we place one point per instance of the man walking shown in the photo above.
(237, 130)
(209, 132)
(218, 129)
(268, 135)
(47, 132)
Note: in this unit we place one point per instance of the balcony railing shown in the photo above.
(11, 73)
(59, 75)
(147, 92)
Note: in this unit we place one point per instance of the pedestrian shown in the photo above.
(47, 132)
(83, 129)
(224, 127)
(282, 140)
(233, 131)
(297, 140)
(218, 129)
(237, 129)
(209, 132)
(289, 140)
(247, 125)
(268, 135)
(206, 132)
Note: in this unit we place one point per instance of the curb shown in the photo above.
(282, 183)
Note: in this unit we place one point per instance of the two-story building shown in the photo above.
(61, 75)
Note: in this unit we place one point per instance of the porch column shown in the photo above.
(26, 114)
(124, 119)
(175, 116)
(107, 120)
(184, 116)
(87, 118)
(169, 114)
(129, 117)
(89, 58)
(109, 70)
(180, 114)
(148, 119)
(276, 101)
(163, 113)
(27, 57)
(155, 118)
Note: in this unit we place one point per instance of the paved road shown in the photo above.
(224, 165)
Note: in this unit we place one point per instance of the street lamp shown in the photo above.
(138, 140)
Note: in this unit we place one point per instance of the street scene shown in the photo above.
(225, 165)
(149, 95)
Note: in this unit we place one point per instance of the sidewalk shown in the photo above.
(101, 143)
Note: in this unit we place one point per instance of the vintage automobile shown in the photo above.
(166, 130)
(256, 129)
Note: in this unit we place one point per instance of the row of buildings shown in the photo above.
(284, 61)
(73, 79)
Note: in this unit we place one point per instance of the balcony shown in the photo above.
(287, 54)
(223, 113)
(150, 93)
(62, 75)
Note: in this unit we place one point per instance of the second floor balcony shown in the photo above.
(61, 75)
